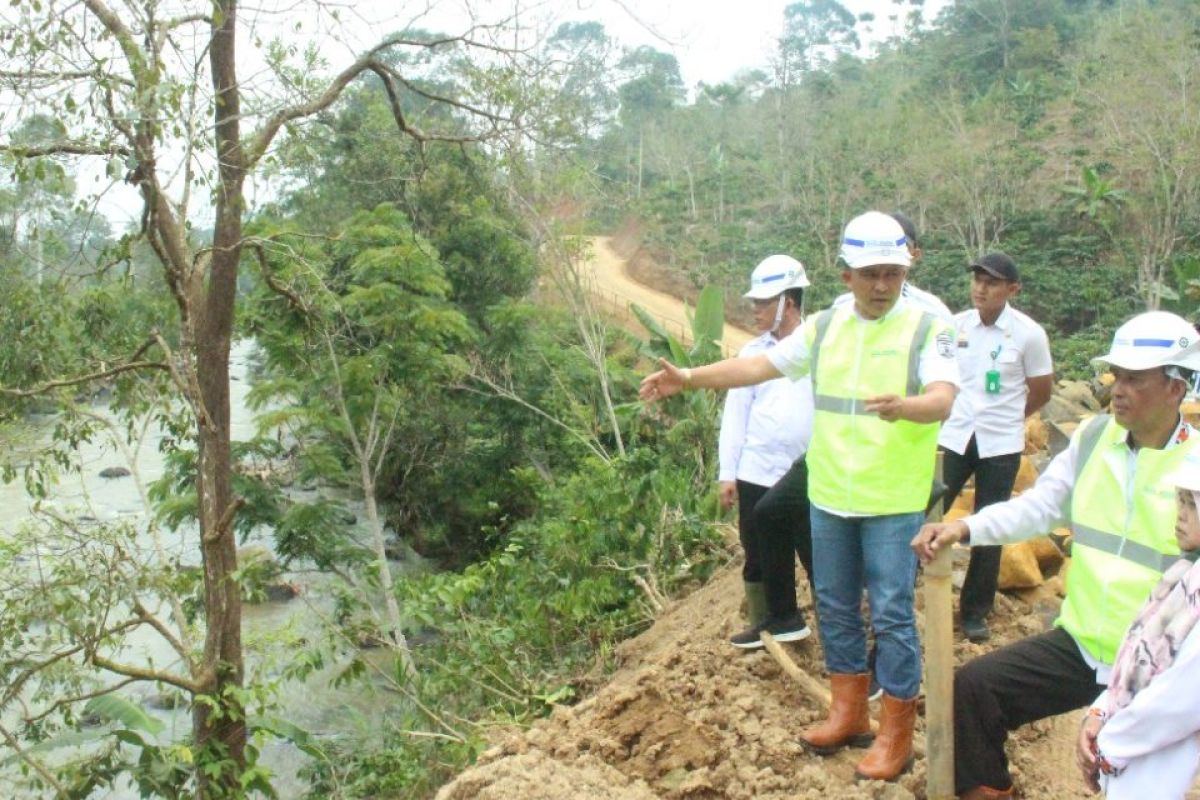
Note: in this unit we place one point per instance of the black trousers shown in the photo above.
(748, 495)
(1028, 680)
(994, 477)
(785, 533)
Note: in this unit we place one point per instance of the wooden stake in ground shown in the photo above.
(939, 671)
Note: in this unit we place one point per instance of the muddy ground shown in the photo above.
(688, 716)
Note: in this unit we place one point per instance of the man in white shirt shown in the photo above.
(765, 429)
(1007, 374)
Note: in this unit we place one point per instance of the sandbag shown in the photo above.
(1019, 567)
(1036, 435)
(1048, 556)
(1191, 412)
(1027, 474)
(955, 513)
(964, 502)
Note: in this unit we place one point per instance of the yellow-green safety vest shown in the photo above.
(857, 463)
(1123, 536)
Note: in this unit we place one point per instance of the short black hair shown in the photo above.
(795, 294)
(907, 225)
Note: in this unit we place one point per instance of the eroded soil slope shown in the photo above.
(689, 716)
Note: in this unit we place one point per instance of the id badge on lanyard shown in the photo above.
(991, 378)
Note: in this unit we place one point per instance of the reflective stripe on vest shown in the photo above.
(859, 464)
(1112, 544)
(1119, 551)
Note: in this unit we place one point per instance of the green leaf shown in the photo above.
(118, 709)
(70, 739)
(708, 326)
(649, 322)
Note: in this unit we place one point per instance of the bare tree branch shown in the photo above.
(53, 76)
(66, 701)
(33, 763)
(95, 376)
(261, 140)
(67, 148)
(293, 299)
(146, 674)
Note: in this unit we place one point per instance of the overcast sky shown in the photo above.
(712, 39)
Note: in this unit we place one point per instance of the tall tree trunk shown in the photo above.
(641, 153)
(395, 630)
(221, 729)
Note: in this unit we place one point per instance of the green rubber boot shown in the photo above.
(756, 603)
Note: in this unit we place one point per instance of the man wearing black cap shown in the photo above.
(1006, 371)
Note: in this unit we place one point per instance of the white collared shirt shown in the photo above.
(926, 301)
(764, 428)
(1017, 348)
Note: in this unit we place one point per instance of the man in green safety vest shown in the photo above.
(884, 376)
(1108, 485)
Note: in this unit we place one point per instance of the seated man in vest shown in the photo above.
(1108, 486)
(884, 376)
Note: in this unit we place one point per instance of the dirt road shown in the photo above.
(618, 291)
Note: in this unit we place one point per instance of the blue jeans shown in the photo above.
(845, 552)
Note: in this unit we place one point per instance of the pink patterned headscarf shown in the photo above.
(1157, 633)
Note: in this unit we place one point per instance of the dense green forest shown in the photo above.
(426, 355)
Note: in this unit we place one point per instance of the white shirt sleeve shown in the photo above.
(791, 355)
(1164, 712)
(734, 418)
(1036, 358)
(1040, 508)
(938, 359)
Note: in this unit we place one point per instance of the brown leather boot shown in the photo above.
(848, 724)
(988, 793)
(892, 752)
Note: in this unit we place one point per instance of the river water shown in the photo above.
(314, 705)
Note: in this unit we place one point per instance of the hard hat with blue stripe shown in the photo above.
(774, 275)
(1187, 474)
(1153, 339)
(874, 239)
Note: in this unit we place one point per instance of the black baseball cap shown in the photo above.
(998, 265)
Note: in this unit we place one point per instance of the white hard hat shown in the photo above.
(774, 275)
(1153, 339)
(874, 238)
(1186, 475)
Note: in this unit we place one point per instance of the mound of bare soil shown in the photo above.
(689, 716)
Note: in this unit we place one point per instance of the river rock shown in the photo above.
(165, 701)
(281, 591)
(1061, 409)
(114, 472)
(1079, 393)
